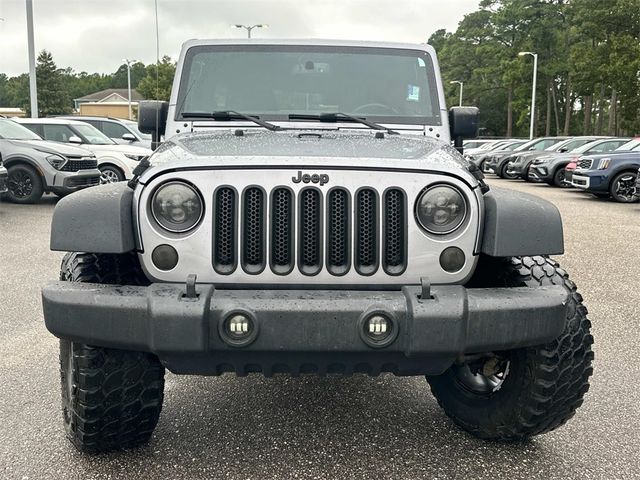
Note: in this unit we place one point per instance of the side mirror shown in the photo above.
(75, 139)
(463, 123)
(563, 150)
(152, 118)
(129, 137)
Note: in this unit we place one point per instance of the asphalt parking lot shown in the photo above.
(332, 427)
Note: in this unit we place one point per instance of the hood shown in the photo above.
(301, 149)
(131, 149)
(53, 147)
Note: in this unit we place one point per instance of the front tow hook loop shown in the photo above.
(425, 285)
(191, 286)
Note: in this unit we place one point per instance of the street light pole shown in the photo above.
(129, 62)
(33, 88)
(461, 88)
(249, 28)
(533, 94)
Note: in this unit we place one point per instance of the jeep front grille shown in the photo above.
(585, 163)
(312, 230)
(225, 244)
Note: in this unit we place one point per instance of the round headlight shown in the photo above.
(177, 207)
(441, 209)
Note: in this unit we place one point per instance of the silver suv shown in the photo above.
(36, 166)
(307, 214)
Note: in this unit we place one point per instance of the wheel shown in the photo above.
(517, 394)
(110, 174)
(505, 174)
(623, 186)
(559, 179)
(25, 185)
(111, 399)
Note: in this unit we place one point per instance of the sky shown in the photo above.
(95, 35)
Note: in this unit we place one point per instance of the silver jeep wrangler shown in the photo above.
(307, 213)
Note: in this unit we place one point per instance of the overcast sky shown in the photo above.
(94, 35)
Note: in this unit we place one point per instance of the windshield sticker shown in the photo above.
(413, 93)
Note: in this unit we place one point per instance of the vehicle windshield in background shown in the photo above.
(92, 135)
(629, 146)
(134, 126)
(272, 82)
(10, 130)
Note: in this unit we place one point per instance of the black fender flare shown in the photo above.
(97, 220)
(517, 224)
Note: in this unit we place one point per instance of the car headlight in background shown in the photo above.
(135, 158)
(56, 161)
(177, 207)
(441, 209)
(604, 163)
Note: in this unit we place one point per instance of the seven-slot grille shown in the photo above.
(311, 230)
(585, 163)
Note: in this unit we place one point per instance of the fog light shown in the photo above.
(452, 259)
(378, 329)
(239, 329)
(239, 326)
(164, 257)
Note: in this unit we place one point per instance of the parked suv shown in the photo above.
(498, 162)
(121, 131)
(36, 166)
(335, 230)
(116, 162)
(610, 174)
(551, 168)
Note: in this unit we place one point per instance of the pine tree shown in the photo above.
(53, 96)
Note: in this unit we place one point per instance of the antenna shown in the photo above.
(156, 136)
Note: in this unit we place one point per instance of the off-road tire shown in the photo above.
(545, 384)
(111, 399)
(24, 173)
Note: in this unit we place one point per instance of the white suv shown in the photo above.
(124, 132)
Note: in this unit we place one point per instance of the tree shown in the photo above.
(157, 83)
(53, 96)
(119, 78)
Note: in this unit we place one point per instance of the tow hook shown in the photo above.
(190, 287)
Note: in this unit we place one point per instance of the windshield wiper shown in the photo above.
(227, 115)
(339, 116)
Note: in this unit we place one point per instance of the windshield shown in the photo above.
(272, 82)
(134, 126)
(568, 144)
(632, 145)
(92, 135)
(512, 147)
(11, 130)
(528, 145)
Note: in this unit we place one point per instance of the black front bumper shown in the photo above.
(304, 331)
